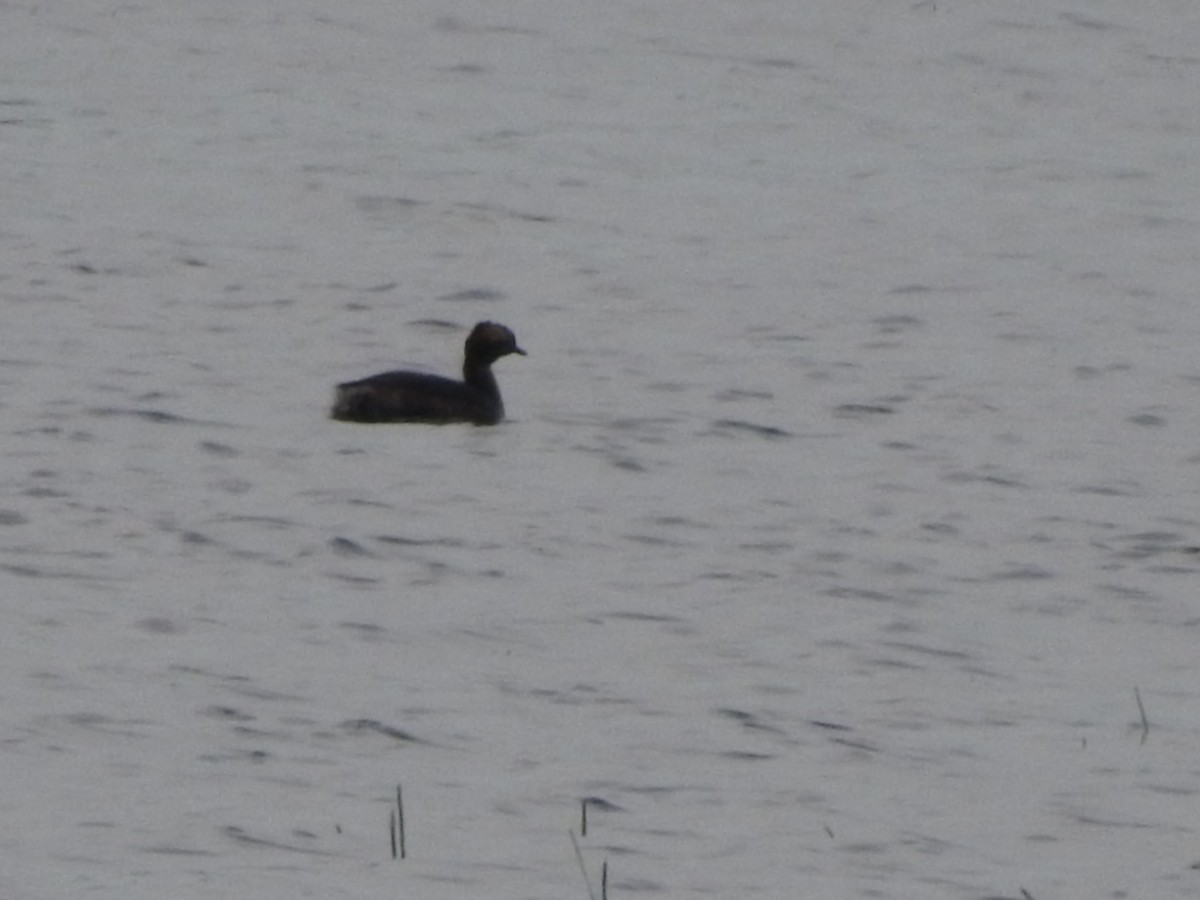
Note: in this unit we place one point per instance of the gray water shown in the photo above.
(845, 501)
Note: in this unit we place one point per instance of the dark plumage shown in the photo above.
(417, 397)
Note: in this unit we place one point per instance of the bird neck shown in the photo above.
(479, 376)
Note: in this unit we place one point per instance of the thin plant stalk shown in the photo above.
(582, 868)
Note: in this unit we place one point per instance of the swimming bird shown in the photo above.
(418, 397)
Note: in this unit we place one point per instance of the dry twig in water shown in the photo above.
(582, 867)
(1137, 695)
